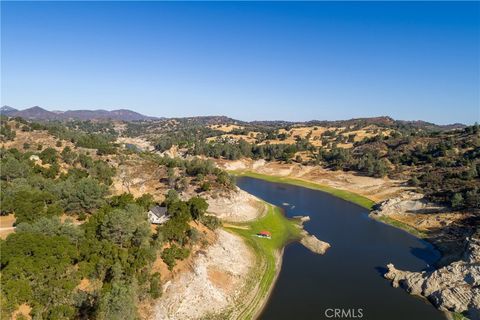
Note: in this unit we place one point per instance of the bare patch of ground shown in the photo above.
(412, 209)
(138, 176)
(7, 221)
(444, 227)
(34, 139)
(88, 285)
(251, 137)
(225, 127)
(6, 225)
(239, 206)
(139, 142)
(216, 279)
(315, 135)
(301, 132)
(23, 312)
(220, 279)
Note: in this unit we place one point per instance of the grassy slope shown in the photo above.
(267, 252)
(343, 194)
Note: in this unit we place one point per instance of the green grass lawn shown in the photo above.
(266, 251)
(346, 195)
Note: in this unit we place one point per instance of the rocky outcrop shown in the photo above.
(455, 287)
(309, 241)
(407, 203)
(313, 243)
(302, 219)
(444, 227)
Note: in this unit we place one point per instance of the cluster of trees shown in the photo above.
(6, 131)
(43, 262)
(99, 268)
(184, 137)
(94, 138)
(204, 171)
(31, 191)
(177, 231)
(236, 150)
(444, 165)
(105, 127)
(369, 163)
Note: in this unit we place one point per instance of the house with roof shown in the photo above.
(158, 215)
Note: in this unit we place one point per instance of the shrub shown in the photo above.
(170, 255)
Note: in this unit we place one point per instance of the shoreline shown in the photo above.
(346, 195)
(269, 253)
(351, 197)
(265, 300)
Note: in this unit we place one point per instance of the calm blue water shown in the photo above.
(349, 275)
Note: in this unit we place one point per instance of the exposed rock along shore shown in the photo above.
(313, 244)
(407, 202)
(455, 287)
(309, 241)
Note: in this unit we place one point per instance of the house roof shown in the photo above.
(159, 211)
(264, 232)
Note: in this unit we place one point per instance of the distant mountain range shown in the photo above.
(37, 113)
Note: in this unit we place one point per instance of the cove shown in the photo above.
(349, 276)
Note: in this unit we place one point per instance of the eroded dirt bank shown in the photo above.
(448, 230)
(218, 280)
(238, 206)
(212, 285)
(373, 188)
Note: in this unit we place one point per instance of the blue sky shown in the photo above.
(247, 60)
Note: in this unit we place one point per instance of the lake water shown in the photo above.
(350, 275)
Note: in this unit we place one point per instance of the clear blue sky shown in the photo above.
(247, 60)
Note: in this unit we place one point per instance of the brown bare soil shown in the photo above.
(251, 137)
(139, 142)
(34, 138)
(138, 176)
(7, 221)
(23, 310)
(84, 285)
(220, 279)
(225, 127)
(213, 283)
(6, 225)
